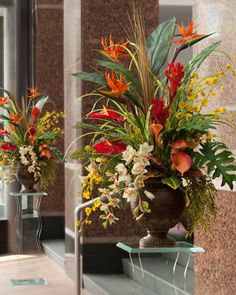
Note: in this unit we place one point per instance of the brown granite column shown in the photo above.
(215, 270)
(85, 23)
(49, 79)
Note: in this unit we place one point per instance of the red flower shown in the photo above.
(3, 101)
(181, 161)
(4, 132)
(117, 85)
(45, 152)
(187, 34)
(178, 144)
(175, 74)
(35, 113)
(107, 147)
(107, 114)
(159, 112)
(8, 147)
(33, 93)
(114, 51)
(15, 118)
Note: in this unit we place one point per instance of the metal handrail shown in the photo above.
(78, 268)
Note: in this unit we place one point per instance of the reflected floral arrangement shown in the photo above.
(29, 136)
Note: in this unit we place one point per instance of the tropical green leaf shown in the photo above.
(57, 153)
(48, 135)
(198, 122)
(118, 68)
(91, 77)
(80, 125)
(172, 181)
(218, 160)
(190, 43)
(195, 63)
(41, 103)
(159, 43)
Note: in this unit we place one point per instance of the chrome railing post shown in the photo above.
(78, 264)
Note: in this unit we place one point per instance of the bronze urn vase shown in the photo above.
(166, 210)
(26, 179)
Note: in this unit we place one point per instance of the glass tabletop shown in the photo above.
(180, 247)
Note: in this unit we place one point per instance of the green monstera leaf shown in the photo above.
(159, 44)
(218, 161)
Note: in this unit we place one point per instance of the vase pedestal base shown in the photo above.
(156, 239)
(25, 282)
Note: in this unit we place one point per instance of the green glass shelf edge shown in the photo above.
(180, 247)
(17, 194)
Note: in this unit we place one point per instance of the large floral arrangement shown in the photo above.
(151, 119)
(29, 136)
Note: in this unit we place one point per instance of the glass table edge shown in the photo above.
(189, 248)
(17, 194)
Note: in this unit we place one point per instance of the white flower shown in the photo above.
(130, 193)
(138, 169)
(111, 218)
(129, 154)
(139, 182)
(125, 178)
(31, 169)
(149, 195)
(104, 207)
(120, 168)
(144, 150)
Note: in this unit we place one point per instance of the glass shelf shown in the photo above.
(37, 194)
(180, 247)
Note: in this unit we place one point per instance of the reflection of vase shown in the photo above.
(26, 179)
(166, 210)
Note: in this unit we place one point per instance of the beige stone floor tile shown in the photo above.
(58, 282)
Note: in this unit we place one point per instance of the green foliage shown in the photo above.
(41, 103)
(218, 160)
(195, 63)
(159, 43)
(201, 193)
(190, 43)
(48, 172)
(91, 77)
(198, 122)
(48, 135)
(172, 181)
(80, 154)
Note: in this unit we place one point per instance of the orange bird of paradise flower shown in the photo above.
(117, 86)
(15, 118)
(3, 100)
(114, 51)
(186, 33)
(33, 93)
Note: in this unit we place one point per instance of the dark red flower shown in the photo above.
(107, 114)
(32, 131)
(4, 132)
(35, 113)
(8, 147)
(107, 147)
(159, 112)
(175, 74)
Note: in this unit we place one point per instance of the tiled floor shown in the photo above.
(58, 282)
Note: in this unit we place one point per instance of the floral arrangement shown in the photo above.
(151, 119)
(29, 136)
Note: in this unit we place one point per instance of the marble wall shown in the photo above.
(49, 79)
(215, 270)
